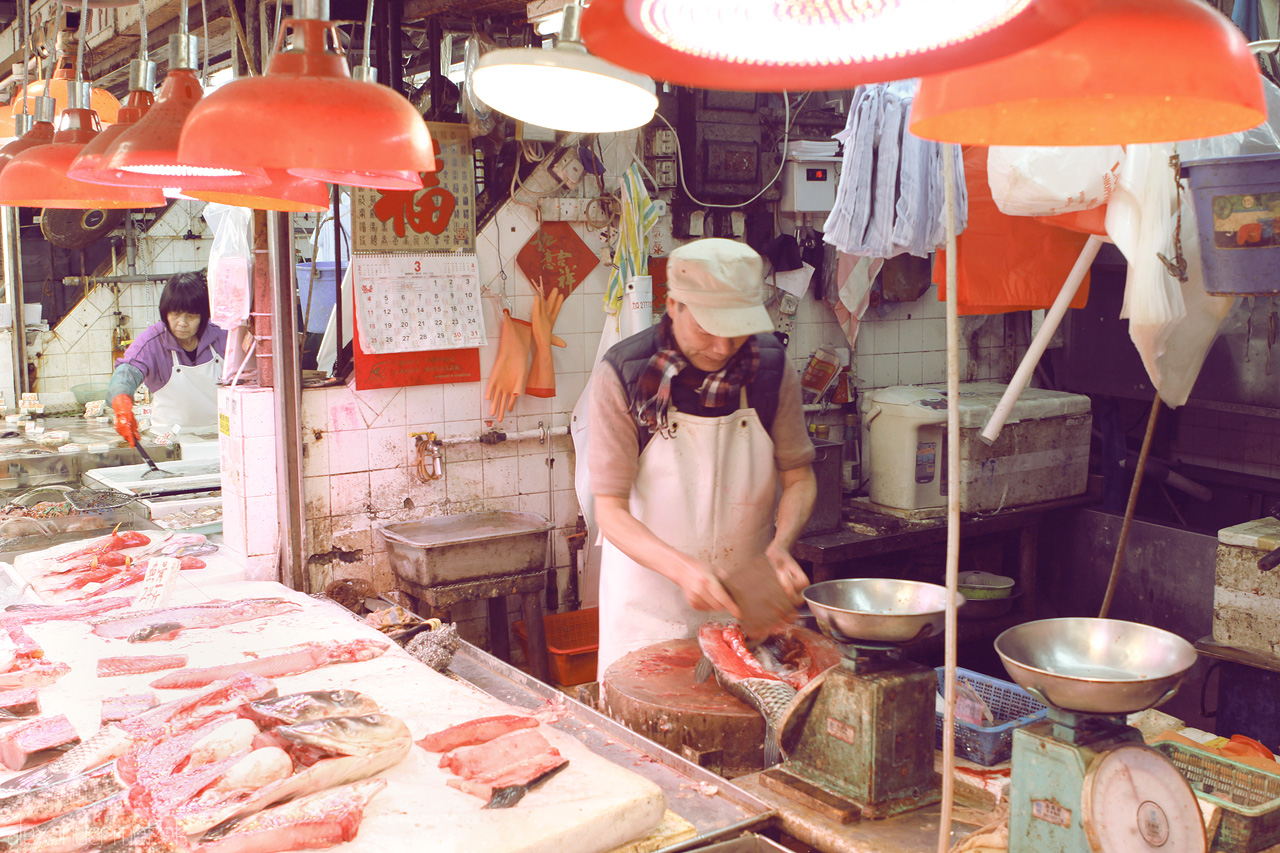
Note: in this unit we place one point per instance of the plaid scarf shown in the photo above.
(652, 399)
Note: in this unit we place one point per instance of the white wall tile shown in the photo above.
(315, 452)
(501, 477)
(462, 402)
(344, 412)
(260, 468)
(262, 525)
(315, 496)
(389, 447)
(464, 481)
(424, 404)
(348, 451)
(257, 412)
(388, 488)
(348, 493)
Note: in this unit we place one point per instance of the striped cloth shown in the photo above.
(631, 257)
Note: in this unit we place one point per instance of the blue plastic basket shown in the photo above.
(1012, 708)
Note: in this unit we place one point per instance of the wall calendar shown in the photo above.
(413, 302)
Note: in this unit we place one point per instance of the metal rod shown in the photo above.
(497, 436)
(13, 295)
(286, 363)
(337, 277)
(87, 281)
(395, 15)
(953, 508)
(1114, 580)
(1040, 342)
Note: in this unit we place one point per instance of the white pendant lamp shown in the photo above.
(565, 88)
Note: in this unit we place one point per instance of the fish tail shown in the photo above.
(772, 750)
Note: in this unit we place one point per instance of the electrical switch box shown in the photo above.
(809, 183)
(664, 173)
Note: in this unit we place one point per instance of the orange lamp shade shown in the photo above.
(89, 164)
(1133, 71)
(37, 177)
(41, 133)
(100, 101)
(802, 45)
(307, 116)
(286, 192)
(148, 151)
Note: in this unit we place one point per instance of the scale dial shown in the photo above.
(1135, 800)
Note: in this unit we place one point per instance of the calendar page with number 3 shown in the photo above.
(409, 302)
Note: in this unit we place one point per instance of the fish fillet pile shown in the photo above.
(497, 759)
(230, 768)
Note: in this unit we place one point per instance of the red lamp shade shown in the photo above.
(41, 133)
(90, 164)
(307, 116)
(285, 193)
(776, 45)
(148, 151)
(37, 177)
(1133, 71)
(101, 101)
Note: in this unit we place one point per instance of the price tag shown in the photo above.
(163, 438)
(157, 585)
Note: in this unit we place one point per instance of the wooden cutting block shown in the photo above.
(652, 691)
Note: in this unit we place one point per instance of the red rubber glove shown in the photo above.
(125, 423)
(542, 374)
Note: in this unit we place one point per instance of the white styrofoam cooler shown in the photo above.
(1042, 453)
(1246, 601)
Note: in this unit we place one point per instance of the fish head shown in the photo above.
(311, 705)
(365, 734)
(157, 631)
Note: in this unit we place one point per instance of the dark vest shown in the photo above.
(629, 357)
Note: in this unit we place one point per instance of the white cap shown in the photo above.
(722, 282)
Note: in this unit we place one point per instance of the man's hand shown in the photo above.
(703, 591)
(790, 575)
(126, 425)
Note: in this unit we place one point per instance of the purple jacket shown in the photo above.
(150, 352)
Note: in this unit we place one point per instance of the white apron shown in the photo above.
(189, 400)
(709, 490)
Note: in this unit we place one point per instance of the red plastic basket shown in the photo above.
(573, 642)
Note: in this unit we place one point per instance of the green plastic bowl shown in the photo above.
(985, 585)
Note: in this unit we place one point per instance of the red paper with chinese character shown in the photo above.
(556, 256)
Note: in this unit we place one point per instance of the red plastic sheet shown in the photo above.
(1010, 263)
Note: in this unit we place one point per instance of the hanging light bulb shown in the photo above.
(89, 165)
(41, 132)
(148, 151)
(308, 116)
(772, 46)
(565, 88)
(37, 177)
(1133, 71)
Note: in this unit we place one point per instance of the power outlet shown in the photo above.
(662, 142)
(568, 169)
(664, 173)
(563, 209)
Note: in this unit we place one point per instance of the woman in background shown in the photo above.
(179, 358)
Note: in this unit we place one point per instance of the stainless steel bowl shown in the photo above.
(1095, 666)
(878, 610)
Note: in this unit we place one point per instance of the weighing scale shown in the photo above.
(859, 738)
(1083, 780)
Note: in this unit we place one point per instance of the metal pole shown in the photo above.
(288, 399)
(338, 365)
(13, 295)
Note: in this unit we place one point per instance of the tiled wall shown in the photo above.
(1247, 444)
(78, 350)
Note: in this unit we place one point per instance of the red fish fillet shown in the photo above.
(318, 820)
(18, 616)
(136, 664)
(521, 773)
(313, 656)
(117, 708)
(475, 731)
(39, 740)
(485, 759)
(191, 710)
(213, 614)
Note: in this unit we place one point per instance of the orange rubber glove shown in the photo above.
(510, 368)
(542, 374)
(126, 425)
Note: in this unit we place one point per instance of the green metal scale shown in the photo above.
(864, 733)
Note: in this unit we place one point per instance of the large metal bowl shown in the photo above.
(878, 610)
(1095, 666)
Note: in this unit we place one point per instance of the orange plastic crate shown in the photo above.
(573, 643)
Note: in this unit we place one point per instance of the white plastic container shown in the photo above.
(1042, 454)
